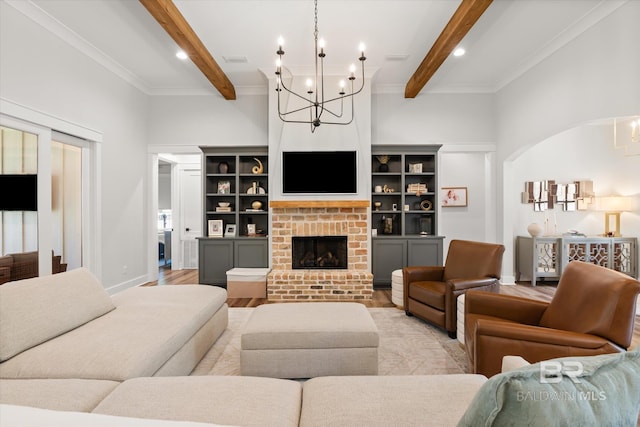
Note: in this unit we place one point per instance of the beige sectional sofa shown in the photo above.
(143, 341)
(66, 326)
(438, 400)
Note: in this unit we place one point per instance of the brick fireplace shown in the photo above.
(319, 218)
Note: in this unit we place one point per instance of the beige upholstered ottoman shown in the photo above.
(306, 340)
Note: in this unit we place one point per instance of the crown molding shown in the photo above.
(48, 22)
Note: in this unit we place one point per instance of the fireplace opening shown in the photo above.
(319, 252)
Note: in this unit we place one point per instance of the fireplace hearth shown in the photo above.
(319, 252)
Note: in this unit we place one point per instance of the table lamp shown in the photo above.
(612, 206)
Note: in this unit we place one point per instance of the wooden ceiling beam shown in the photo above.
(170, 18)
(458, 26)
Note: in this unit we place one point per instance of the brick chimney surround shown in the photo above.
(319, 218)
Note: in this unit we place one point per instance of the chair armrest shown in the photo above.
(536, 335)
(508, 307)
(511, 363)
(464, 284)
(421, 274)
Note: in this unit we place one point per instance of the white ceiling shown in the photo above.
(511, 37)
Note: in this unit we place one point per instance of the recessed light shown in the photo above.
(459, 51)
(182, 54)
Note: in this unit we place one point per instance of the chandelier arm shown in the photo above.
(294, 93)
(342, 123)
(282, 115)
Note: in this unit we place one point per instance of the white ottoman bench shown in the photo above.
(306, 340)
(397, 288)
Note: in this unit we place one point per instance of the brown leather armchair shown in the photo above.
(430, 293)
(592, 312)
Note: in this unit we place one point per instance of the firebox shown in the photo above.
(319, 252)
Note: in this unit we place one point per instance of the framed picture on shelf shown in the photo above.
(230, 230)
(415, 167)
(215, 228)
(453, 196)
(224, 187)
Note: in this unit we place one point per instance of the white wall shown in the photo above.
(44, 73)
(592, 77)
(586, 152)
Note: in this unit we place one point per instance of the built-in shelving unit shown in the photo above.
(404, 214)
(235, 183)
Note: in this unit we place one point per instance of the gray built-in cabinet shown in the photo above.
(404, 196)
(238, 177)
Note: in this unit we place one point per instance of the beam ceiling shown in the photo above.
(170, 18)
(458, 26)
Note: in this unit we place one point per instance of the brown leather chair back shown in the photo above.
(594, 300)
(470, 260)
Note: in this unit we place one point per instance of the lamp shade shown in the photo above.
(613, 204)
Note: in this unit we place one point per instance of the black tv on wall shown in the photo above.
(319, 172)
(19, 192)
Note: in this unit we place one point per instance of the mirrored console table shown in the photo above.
(545, 257)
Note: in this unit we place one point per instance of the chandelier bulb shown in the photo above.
(280, 43)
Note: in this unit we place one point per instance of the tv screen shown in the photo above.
(19, 192)
(319, 172)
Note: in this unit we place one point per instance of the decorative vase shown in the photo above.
(256, 204)
(223, 167)
(383, 168)
(535, 229)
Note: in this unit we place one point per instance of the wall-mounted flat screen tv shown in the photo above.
(18, 192)
(319, 172)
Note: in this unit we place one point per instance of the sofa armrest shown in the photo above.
(508, 307)
(511, 363)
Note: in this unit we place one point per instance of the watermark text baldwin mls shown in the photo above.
(553, 372)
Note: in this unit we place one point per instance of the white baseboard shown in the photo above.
(137, 281)
(508, 280)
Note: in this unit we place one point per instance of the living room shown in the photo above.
(552, 121)
(499, 128)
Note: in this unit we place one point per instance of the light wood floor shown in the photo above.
(381, 297)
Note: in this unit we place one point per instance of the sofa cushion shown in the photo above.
(606, 392)
(149, 325)
(410, 400)
(22, 416)
(235, 400)
(35, 310)
(61, 395)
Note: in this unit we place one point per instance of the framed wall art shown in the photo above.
(453, 196)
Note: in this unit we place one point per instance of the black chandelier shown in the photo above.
(314, 100)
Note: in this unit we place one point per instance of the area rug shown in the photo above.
(408, 346)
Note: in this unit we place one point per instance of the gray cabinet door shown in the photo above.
(215, 258)
(387, 255)
(424, 251)
(252, 253)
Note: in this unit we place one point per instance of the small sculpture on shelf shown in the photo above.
(384, 163)
(259, 168)
(223, 167)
